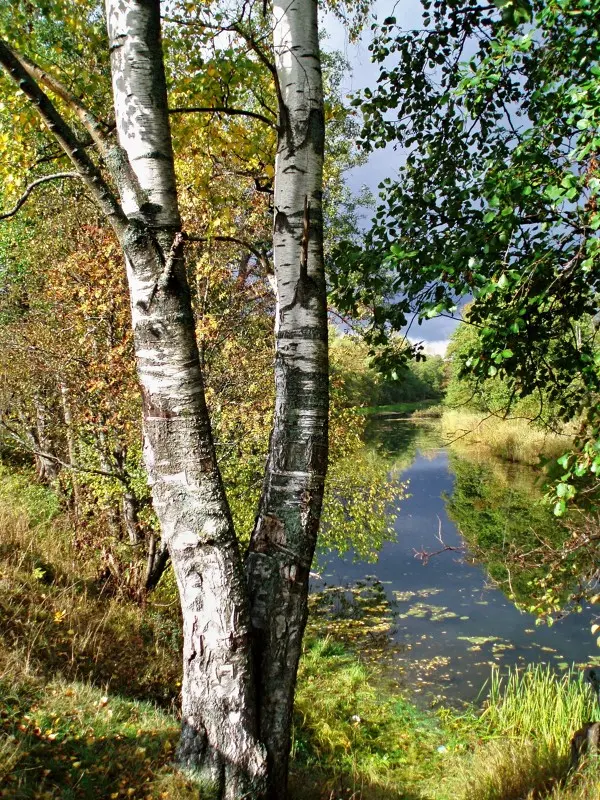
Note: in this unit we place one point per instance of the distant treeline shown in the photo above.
(359, 384)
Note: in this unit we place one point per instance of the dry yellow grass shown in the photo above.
(517, 440)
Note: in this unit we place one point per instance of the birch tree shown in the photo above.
(284, 537)
(242, 626)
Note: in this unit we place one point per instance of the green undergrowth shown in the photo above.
(89, 694)
(354, 737)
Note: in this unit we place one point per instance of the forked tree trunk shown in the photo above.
(225, 725)
(219, 733)
(284, 538)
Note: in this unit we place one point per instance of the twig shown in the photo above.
(260, 256)
(165, 275)
(223, 110)
(31, 187)
(424, 555)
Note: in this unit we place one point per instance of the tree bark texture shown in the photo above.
(219, 736)
(285, 533)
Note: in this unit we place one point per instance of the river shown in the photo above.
(441, 622)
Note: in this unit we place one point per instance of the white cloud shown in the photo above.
(436, 347)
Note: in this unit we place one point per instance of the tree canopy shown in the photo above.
(496, 110)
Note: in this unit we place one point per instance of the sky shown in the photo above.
(382, 163)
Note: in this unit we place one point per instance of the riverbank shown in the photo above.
(89, 684)
(515, 440)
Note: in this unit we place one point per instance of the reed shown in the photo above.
(523, 738)
(536, 703)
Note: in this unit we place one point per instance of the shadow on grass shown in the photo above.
(68, 741)
(85, 768)
(50, 626)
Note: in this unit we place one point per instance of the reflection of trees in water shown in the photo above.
(399, 439)
(359, 614)
(361, 495)
(499, 511)
(364, 491)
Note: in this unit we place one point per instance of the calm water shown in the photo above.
(449, 623)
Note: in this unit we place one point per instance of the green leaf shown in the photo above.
(559, 508)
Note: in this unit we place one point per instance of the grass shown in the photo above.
(70, 740)
(523, 736)
(355, 736)
(89, 686)
(516, 440)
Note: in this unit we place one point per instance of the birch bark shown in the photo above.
(219, 716)
(284, 537)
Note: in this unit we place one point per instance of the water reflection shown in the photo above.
(447, 621)
(498, 512)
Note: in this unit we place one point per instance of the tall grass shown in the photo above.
(56, 616)
(517, 440)
(538, 703)
(523, 745)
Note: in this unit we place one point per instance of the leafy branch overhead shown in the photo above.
(496, 114)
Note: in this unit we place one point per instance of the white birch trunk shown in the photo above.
(140, 98)
(219, 713)
(222, 731)
(284, 537)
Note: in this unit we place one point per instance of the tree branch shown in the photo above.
(97, 130)
(31, 187)
(100, 133)
(86, 168)
(263, 58)
(261, 256)
(51, 457)
(223, 110)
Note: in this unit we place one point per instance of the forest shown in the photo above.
(258, 541)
